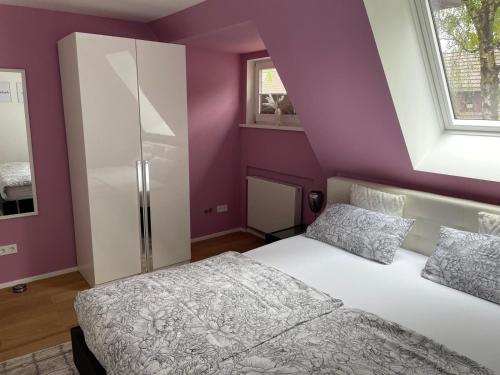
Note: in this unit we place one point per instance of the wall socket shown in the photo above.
(222, 208)
(8, 249)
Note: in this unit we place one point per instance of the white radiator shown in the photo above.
(272, 206)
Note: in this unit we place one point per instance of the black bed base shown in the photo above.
(22, 206)
(85, 361)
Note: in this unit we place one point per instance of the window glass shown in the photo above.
(468, 33)
(273, 98)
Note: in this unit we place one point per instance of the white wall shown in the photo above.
(13, 137)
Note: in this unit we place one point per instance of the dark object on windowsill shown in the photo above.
(285, 233)
(19, 288)
(315, 199)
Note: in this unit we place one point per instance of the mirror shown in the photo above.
(17, 180)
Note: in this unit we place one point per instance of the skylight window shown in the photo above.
(462, 39)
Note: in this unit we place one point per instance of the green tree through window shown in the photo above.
(469, 39)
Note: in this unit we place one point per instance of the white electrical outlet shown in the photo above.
(222, 208)
(8, 249)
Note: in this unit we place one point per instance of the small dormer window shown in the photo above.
(268, 102)
(462, 40)
(272, 96)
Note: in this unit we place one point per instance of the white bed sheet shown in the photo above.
(396, 292)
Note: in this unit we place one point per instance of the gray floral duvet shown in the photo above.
(232, 315)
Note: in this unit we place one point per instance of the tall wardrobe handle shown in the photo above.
(139, 179)
(140, 192)
(147, 196)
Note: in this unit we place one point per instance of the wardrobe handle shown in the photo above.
(147, 196)
(140, 192)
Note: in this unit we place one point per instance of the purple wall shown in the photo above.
(328, 60)
(28, 40)
(281, 156)
(278, 155)
(222, 154)
(214, 140)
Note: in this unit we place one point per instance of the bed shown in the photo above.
(396, 292)
(410, 314)
(16, 190)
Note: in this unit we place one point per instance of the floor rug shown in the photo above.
(53, 361)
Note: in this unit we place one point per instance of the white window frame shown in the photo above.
(430, 48)
(265, 119)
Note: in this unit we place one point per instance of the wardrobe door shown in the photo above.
(163, 111)
(110, 114)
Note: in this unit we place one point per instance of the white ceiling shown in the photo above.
(135, 10)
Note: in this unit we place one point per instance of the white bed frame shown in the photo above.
(430, 211)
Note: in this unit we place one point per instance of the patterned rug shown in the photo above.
(53, 361)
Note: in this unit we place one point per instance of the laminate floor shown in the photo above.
(40, 317)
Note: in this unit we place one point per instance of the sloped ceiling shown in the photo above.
(327, 57)
(241, 39)
(132, 10)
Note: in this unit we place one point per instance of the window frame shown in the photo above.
(267, 119)
(429, 41)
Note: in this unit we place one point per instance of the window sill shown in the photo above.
(464, 155)
(273, 127)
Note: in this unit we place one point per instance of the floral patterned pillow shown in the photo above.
(369, 234)
(489, 223)
(466, 261)
(375, 200)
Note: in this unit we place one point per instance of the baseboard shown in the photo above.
(218, 234)
(37, 277)
(256, 233)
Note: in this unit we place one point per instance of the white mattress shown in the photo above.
(396, 292)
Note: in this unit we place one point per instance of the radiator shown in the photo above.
(272, 205)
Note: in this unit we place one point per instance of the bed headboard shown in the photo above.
(430, 211)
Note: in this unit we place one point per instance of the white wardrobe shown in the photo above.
(126, 124)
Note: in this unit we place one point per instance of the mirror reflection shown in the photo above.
(17, 192)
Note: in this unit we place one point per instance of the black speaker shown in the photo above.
(315, 199)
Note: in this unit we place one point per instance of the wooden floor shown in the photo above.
(238, 241)
(42, 316)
